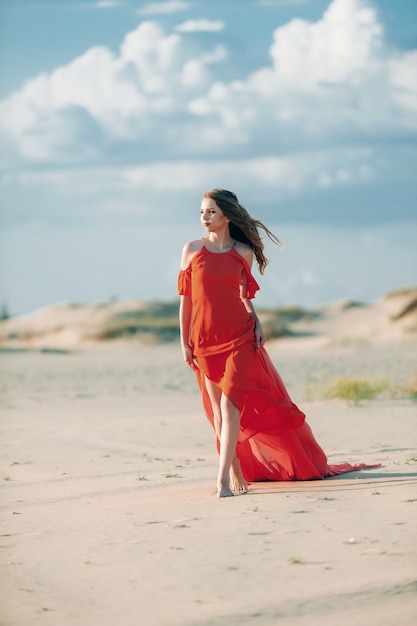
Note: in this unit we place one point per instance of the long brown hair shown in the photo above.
(242, 226)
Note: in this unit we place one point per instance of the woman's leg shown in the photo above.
(228, 441)
(215, 395)
(230, 474)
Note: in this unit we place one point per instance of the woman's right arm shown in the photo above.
(186, 308)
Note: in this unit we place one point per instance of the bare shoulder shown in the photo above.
(246, 251)
(189, 250)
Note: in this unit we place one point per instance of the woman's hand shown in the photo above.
(259, 334)
(258, 331)
(188, 356)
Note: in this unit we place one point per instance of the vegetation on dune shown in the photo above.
(156, 320)
(352, 304)
(405, 291)
(408, 309)
(4, 312)
(356, 390)
(276, 322)
(291, 314)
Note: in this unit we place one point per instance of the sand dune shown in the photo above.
(66, 326)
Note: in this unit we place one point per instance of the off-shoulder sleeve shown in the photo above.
(184, 282)
(251, 287)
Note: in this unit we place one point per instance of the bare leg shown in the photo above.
(236, 480)
(215, 395)
(228, 441)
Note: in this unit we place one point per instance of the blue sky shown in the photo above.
(116, 116)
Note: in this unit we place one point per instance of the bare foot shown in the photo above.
(237, 481)
(223, 490)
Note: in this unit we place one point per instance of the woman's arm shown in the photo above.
(186, 309)
(247, 302)
(259, 333)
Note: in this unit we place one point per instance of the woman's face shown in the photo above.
(212, 218)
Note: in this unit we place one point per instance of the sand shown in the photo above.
(109, 515)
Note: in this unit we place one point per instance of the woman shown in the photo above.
(260, 433)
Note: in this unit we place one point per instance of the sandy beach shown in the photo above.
(185, 185)
(109, 513)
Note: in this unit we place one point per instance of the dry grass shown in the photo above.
(356, 390)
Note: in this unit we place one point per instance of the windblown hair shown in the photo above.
(242, 226)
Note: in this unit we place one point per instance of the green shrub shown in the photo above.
(354, 390)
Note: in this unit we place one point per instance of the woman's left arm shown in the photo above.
(248, 304)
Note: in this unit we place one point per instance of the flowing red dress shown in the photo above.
(275, 442)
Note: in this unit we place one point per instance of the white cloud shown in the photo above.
(403, 72)
(342, 48)
(331, 82)
(121, 95)
(194, 72)
(196, 26)
(161, 8)
(289, 174)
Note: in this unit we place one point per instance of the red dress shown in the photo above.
(275, 442)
